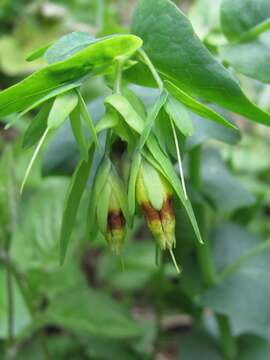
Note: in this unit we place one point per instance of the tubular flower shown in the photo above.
(154, 195)
(110, 210)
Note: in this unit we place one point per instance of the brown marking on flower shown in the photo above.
(116, 220)
(167, 208)
(150, 213)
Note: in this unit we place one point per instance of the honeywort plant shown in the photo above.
(163, 52)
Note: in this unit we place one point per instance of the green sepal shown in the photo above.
(87, 118)
(77, 129)
(179, 115)
(152, 115)
(102, 209)
(135, 167)
(63, 105)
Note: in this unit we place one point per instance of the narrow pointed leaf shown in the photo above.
(37, 127)
(197, 107)
(77, 129)
(38, 53)
(87, 118)
(74, 195)
(152, 115)
(63, 105)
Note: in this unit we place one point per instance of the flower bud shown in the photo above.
(111, 209)
(154, 195)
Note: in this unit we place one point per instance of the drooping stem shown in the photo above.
(10, 298)
(205, 258)
(152, 68)
(118, 76)
(179, 159)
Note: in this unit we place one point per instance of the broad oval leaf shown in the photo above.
(93, 59)
(180, 56)
(67, 46)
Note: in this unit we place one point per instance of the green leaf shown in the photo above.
(180, 57)
(108, 121)
(135, 166)
(179, 114)
(253, 347)
(126, 110)
(199, 345)
(93, 59)
(197, 107)
(35, 241)
(238, 17)
(135, 101)
(67, 46)
(87, 118)
(22, 316)
(224, 191)
(76, 125)
(249, 281)
(52, 94)
(38, 53)
(151, 117)
(37, 127)
(205, 130)
(97, 314)
(74, 195)
(63, 105)
(250, 58)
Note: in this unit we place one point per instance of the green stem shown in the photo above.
(229, 345)
(10, 300)
(152, 68)
(205, 258)
(118, 76)
(253, 33)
